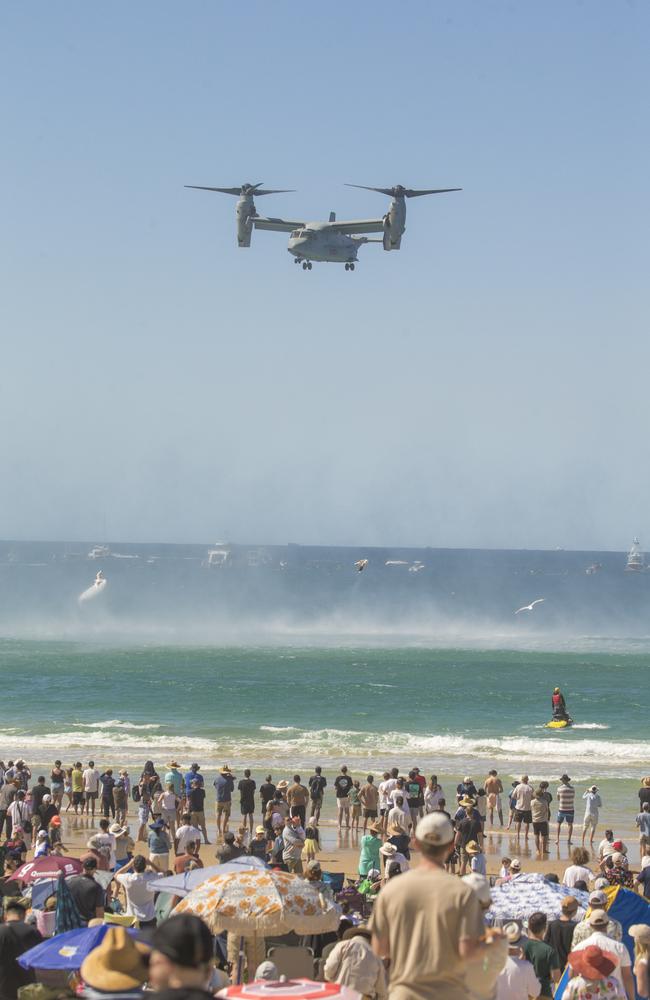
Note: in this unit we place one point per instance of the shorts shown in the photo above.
(77, 798)
(247, 812)
(92, 795)
(523, 816)
(143, 813)
(590, 822)
(384, 812)
(370, 814)
(169, 815)
(565, 814)
(222, 808)
(541, 828)
(198, 819)
(343, 804)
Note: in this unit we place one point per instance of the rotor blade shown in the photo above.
(410, 193)
(364, 187)
(199, 187)
(273, 191)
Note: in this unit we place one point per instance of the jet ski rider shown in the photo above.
(558, 705)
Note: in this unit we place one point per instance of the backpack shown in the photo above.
(136, 794)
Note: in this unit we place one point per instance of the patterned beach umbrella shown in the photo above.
(294, 988)
(516, 900)
(261, 903)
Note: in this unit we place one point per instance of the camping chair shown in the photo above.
(293, 962)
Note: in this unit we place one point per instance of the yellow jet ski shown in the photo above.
(559, 724)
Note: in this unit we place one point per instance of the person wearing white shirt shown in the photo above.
(593, 803)
(385, 788)
(577, 871)
(598, 920)
(398, 816)
(517, 981)
(186, 834)
(135, 877)
(432, 794)
(90, 780)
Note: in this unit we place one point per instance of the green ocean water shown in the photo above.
(445, 709)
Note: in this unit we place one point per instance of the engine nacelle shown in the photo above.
(245, 213)
(394, 224)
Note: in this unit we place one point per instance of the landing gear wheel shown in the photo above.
(347, 266)
(309, 266)
(351, 266)
(296, 260)
(304, 265)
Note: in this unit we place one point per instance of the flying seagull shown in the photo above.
(529, 607)
(361, 565)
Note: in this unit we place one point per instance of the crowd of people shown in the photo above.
(413, 917)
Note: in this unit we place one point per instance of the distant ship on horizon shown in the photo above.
(635, 558)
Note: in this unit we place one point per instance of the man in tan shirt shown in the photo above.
(369, 798)
(428, 922)
(297, 796)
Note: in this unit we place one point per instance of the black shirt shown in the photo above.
(87, 894)
(469, 829)
(317, 785)
(267, 791)
(246, 788)
(644, 795)
(38, 791)
(343, 784)
(197, 799)
(559, 935)
(108, 784)
(16, 938)
(643, 879)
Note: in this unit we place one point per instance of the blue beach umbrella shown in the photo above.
(66, 951)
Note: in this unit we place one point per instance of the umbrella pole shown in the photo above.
(240, 961)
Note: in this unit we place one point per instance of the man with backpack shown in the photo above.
(317, 785)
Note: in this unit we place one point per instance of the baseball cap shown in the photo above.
(185, 940)
(434, 829)
(259, 829)
(597, 899)
(598, 918)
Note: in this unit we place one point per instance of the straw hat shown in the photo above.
(117, 830)
(115, 965)
(282, 784)
(512, 932)
(515, 865)
(225, 769)
(388, 850)
(172, 763)
(375, 827)
(472, 847)
(466, 802)
(593, 962)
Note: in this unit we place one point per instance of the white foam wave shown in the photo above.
(116, 724)
(289, 744)
(590, 725)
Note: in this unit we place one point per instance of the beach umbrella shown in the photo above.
(46, 867)
(66, 951)
(516, 900)
(180, 885)
(261, 902)
(294, 988)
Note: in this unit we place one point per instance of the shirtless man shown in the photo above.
(493, 789)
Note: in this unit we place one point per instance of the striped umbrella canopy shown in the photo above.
(260, 903)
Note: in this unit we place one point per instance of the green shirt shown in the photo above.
(369, 854)
(544, 959)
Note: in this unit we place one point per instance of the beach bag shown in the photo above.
(136, 795)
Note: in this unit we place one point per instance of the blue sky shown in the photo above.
(487, 385)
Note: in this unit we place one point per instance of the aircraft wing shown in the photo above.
(276, 225)
(360, 226)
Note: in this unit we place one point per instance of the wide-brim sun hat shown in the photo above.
(117, 964)
(388, 850)
(640, 932)
(593, 962)
(515, 864)
(375, 828)
(472, 847)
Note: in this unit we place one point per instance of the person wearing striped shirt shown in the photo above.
(566, 798)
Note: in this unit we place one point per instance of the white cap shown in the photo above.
(481, 887)
(598, 918)
(435, 829)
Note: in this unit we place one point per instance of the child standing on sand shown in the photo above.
(312, 840)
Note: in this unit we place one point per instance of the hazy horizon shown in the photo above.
(482, 387)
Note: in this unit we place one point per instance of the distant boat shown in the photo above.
(635, 558)
(99, 552)
(217, 558)
(594, 568)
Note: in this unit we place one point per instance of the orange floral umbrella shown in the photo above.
(262, 902)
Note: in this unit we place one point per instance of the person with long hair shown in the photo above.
(641, 935)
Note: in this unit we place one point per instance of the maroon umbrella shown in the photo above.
(47, 867)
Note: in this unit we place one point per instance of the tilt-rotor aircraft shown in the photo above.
(334, 241)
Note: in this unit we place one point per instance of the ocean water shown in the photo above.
(292, 706)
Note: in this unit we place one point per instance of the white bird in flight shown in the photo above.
(529, 607)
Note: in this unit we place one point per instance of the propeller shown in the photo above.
(245, 189)
(401, 192)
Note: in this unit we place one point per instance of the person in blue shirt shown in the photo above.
(193, 775)
(224, 786)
